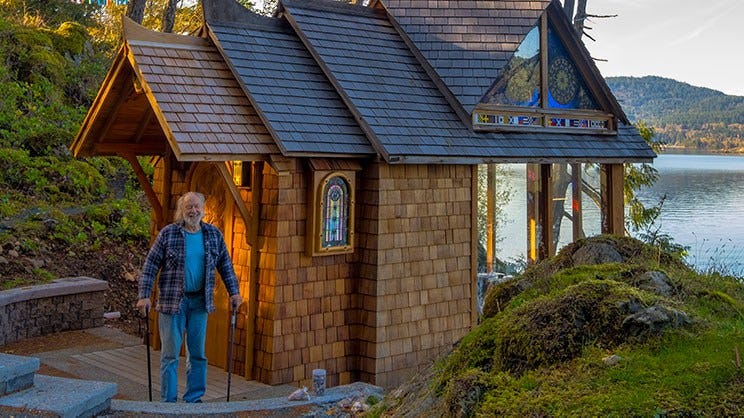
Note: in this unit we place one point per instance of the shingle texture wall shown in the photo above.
(304, 302)
(416, 288)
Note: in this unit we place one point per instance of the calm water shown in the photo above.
(704, 210)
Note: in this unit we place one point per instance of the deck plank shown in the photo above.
(131, 363)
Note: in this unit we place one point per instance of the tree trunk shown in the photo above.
(579, 18)
(169, 16)
(561, 181)
(136, 10)
(568, 9)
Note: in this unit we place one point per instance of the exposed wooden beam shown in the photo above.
(545, 212)
(147, 187)
(490, 205)
(111, 117)
(235, 193)
(142, 125)
(122, 148)
(576, 206)
(532, 190)
(613, 205)
(167, 183)
(253, 231)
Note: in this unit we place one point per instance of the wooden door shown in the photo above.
(218, 211)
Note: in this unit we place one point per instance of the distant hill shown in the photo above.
(682, 114)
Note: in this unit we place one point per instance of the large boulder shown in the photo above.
(596, 253)
(655, 282)
(653, 320)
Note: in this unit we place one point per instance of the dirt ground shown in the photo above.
(118, 265)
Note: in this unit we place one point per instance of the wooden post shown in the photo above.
(167, 184)
(252, 230)
(490, 198)
(545, 212)
(533, 189)
(613, 210)
(576, 209)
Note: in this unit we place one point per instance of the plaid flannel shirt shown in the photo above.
(168, 256)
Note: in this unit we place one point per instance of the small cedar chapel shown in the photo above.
(338, 147)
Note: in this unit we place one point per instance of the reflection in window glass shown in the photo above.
(566, 88)
(335, 213)
(519, 83)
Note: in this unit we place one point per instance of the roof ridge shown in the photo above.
(271, 24)
(331, 6)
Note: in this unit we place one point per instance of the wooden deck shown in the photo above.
(130, 363)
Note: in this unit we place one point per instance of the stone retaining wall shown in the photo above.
(62, 305)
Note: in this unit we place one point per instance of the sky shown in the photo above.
(699, 42)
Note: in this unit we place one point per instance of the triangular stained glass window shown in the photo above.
(566, 87)
(519, 83)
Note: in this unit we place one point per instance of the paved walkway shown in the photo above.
(107, 354)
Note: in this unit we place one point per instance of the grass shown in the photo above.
(725, 257)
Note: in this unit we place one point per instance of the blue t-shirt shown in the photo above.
(194, 261)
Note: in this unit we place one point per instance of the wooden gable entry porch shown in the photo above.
(171, 120)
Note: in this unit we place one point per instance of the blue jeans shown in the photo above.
(191, 318)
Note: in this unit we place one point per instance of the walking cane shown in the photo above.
(233, 314)
(147, 344)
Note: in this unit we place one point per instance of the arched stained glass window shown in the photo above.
(335, 213)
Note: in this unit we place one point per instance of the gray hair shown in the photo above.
(178, 217)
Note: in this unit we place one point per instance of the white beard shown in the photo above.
(192, 222)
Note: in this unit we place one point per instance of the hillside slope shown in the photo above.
(642, 337)
(681, 114)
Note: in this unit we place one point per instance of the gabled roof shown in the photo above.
(405, 115)
(467, 42)
(298, 104)
(398, 105)
(325, 78)
(177, 89)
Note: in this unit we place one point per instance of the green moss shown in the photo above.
(71, 38)
(540, 353)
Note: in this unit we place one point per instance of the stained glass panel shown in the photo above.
(519, 83)
(335, 230)
(566, 88)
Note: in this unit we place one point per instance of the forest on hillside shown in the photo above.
(683, 115)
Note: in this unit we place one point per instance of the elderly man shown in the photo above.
(186, 253)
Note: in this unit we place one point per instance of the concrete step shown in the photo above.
(16, 372)
(61, 397)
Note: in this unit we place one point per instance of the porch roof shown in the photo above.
(171, 90)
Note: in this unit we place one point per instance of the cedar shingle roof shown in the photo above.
(407, 117)
(467, 42)
(387, 88)
(203, 105)
(300, 105)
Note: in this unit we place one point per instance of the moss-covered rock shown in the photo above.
(541, 349)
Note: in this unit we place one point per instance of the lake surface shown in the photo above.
(703, 209)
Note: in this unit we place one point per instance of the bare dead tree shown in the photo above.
(136, 10)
